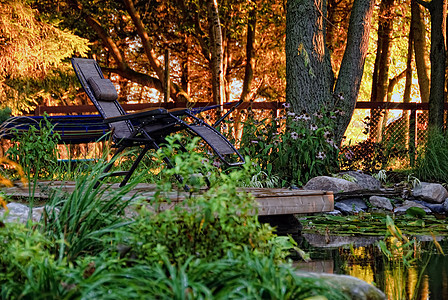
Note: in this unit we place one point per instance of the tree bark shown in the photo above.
(438, 11)
(421, 57)
(216, 62)
(382, 64)
(250, 54)
(352, 66)
(309, 76)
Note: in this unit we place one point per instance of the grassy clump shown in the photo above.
(432, 161)
(210, 246)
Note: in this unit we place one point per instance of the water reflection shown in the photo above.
(426, 277)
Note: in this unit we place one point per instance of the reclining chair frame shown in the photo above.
(145, 128)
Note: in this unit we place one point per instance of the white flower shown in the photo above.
(327, 134)
(318, 115)
(286, 105)
(321, 155)
(294, 135)
(313, 127)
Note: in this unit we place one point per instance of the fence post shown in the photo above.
(412, 136)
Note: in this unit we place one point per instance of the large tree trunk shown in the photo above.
(382, 64)
(421, 56)
(438, 10)
(309, 76)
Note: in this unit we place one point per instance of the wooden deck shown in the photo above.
(270, 201)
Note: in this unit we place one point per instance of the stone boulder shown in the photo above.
(327, 183)
(408, 204)
(381, 202)
(18, 212)
(445, 205)
(365, 181)
(353, 287)
(430, 192)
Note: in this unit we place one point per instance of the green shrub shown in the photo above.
(206, 224)
(294, 148)
(78, 223)
(27, 268)
(432, 160)
(36, 150)
(232, 277)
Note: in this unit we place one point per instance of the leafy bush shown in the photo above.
(295, 148)
(77, 223)
(210, 246)
(207, 224)
(36, 149)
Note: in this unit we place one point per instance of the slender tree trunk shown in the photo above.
(421, 57)
(352, 66)
(382, 62)
(216, 48)
(250, 54)
(438, 11)
(408, 131)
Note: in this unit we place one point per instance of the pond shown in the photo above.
(415, 270)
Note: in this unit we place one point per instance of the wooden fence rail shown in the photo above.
(275, 105)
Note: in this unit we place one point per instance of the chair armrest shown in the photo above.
(136, 115)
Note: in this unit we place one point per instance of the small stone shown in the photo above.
(334, 213)
(347, 209)
(327, 183)
(381, 202)
(430, 192)
(408, 204)
(358, 203)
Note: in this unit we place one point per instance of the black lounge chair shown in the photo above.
(147, 128)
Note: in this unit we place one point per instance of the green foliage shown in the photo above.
(210, 246)
(373, 224)
(35, 150)
(209, 223)
(77, 222)
(432, 160)
(242, 277)
(5, 114)
(294, 148)
(24, 258)
(33, 48)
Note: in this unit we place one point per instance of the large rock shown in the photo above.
(437, 208)
(408, 204)
(445, 205)
(430, 192)
(18, 212)
(365, 181)
(354, 288)
(327, 183)
(381, 202)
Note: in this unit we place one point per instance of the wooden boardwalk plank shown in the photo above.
(270, 201)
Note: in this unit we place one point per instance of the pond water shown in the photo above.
(426, 276)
